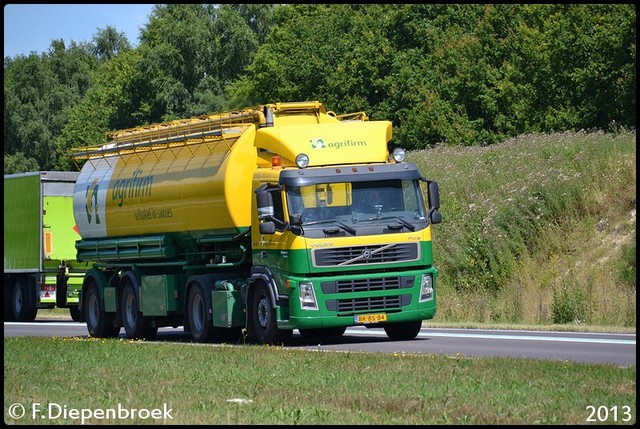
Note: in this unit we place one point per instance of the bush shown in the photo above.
(627, 265)
(568, 306)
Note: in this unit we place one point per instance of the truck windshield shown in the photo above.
(355, 202)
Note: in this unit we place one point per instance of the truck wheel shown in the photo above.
(202, 329)
(100, 324)
(75, 313)
(8, 296)
(403, 330)
(323, 332)
(22, 309)
(136, 326)
(264, 319)
(61, 292)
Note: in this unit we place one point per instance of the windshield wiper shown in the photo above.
(405, 223)
(342, 225)
(408, 225)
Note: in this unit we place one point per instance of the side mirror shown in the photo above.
(436, 217)
(434, 196)
(265, 203)
(267, 228)
(295, 219)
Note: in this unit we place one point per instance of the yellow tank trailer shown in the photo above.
(272, 219)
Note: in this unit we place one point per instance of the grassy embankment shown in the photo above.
(538, 230)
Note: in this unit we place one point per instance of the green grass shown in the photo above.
(277, 385)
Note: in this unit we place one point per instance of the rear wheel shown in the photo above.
(61, 292)
(22, 307)
(100, 324)
(8, 296)
(75, 313)
(202, 329)
(263, 318)
(403, 330)
(135, 324)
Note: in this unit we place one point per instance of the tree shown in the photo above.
(109, 43)
(38, 90)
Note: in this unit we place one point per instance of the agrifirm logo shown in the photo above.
(91, 205)
(319, 143)
(132, 187)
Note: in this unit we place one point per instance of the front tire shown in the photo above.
(264, 322)
(403, 330)
(100, 324)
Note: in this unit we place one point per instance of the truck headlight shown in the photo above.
(302, 160)
(398, 154)
(426, 288)
(307, 296)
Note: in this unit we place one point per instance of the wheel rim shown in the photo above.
(197, 313)
(263, 312)
(18, 300)
(130, 310)
(93, 309)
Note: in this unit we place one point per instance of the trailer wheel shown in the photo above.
(135, 324)
(61, 291)
(100, 324)
(8, 296)
(403, 330)
(264, 322)
(323, 332)
(21, 306)
(75, 313)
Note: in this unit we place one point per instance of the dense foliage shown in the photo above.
(458, 74)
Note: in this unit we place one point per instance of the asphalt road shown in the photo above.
(601, 348)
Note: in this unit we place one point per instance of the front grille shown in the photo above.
(366, 255)
(372, 303)
(367, 285)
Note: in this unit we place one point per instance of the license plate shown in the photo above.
(370, 318)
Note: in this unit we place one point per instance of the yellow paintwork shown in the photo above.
(336, 143)
(152, 179)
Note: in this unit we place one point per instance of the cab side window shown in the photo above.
(278, 211)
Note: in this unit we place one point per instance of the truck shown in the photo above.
(252, 223)
(40, 267)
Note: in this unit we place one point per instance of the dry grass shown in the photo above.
(537, 230)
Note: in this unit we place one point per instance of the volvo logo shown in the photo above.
(366, 254)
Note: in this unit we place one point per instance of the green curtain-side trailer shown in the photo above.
(40, 268)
